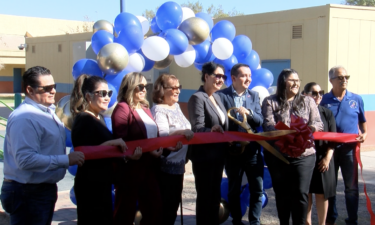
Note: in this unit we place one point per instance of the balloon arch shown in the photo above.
(178, 34)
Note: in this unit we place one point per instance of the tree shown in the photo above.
(360, 2)
(214, 11)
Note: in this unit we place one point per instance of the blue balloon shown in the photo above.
(252, 60)
(198, 66)
(154, 26)
(224, 188)
(227, 63)
(207, 18)
(223, 29)
(131, 38)
(267, 181)
(114, 95)
(261, 77)
(125, 20)
(72, 196)
(169, 16)
(245, 199)
(73, 170)
(99, 39)
(203, 52)
(115, 80)
(264, 199)
(242, 46)
(228, 82)
(149, 64)
(177, 40)
(86, 66)
(108, 123)
(68, 140)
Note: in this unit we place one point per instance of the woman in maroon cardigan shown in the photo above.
(135, 180)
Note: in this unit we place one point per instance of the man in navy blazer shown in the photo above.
(250, 161)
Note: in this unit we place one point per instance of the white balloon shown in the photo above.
(272, 90)
(145, 24)
(187, 58)
(155, 48)
(187, 13)
(222, 48)
(263, 92)
(136, 63)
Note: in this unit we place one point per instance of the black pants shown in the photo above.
(94, 202)
(251, 163)
(171, 189)
(291, 186)
(208, 176)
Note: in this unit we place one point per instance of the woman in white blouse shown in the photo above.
(171, 121)
(207, 114)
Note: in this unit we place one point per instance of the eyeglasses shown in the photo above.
(297, 81)
(141, 87)
(341, 78)
(174, 88)
(47, 88)
(218, 76)
(316, 93)
(104, 93)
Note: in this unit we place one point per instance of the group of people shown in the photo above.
(35, 158)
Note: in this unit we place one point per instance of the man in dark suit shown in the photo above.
(250, 161)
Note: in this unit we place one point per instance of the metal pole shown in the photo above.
(122, 5)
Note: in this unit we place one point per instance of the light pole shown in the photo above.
(122, 5)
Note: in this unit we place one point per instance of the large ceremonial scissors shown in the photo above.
(265, 144)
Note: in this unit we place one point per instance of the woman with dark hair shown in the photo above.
(135, 181)
(291, 182)
(323, 182)
(93, 181)
(171, 121)
(208, 114)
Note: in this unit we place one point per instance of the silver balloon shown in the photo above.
(102, 25)
(223, 211)
(164, 63)
(272, 90)
(63, 112)
(112, 58)
(138, 218)
(196, 30)
(109, 111)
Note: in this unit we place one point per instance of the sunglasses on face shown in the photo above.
(141, 87)
(341, 78)
(47, 88)
(104, 93)
(218, 76)
(174, 88)
(316, 93)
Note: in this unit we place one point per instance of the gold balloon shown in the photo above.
(63, 112)
(138, 218)
(102, 25)
(109, 111)
(112, 58)
(164, 63)
(223, 211)
(196, 30)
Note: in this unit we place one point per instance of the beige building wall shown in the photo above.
(352, 45)
(271, 35)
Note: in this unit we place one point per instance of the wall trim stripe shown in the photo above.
(185, 95)
(64, 88)
(6, 78)
(369, 100)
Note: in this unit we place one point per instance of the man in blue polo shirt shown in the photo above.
(348, 109)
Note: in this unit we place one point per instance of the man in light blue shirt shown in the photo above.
(34, 153)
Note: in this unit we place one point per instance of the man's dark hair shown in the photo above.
(31, 76)
(234, 70)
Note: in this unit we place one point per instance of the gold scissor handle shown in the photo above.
(243, 124)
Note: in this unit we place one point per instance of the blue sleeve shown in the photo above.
(361, 114)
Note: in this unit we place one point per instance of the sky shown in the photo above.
(108, 9)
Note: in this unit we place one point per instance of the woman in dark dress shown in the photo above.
(323, 182)
(93, 181)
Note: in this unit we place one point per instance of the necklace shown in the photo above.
(89, 112)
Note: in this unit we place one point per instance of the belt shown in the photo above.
(8, 180)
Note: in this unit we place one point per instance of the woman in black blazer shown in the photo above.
(208, 114)
(323, 182)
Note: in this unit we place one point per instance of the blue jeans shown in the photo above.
(344, 158)
(32, 204)
(251, 163)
